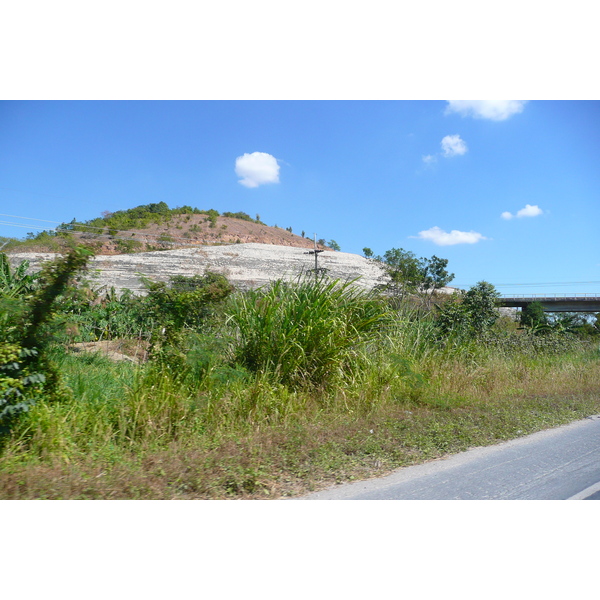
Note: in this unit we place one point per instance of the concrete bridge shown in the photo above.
(556, 302)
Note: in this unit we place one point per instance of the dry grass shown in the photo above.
(193, 423)
(460, 407)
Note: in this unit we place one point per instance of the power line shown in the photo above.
(114, 237)
(539, 283)
(26, 226)
(548, 283)
(154, 237)
(28, 218)
(183, 241)
(186, 242)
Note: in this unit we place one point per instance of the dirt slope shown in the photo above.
(195, 230)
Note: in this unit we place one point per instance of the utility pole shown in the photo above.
(316, 253)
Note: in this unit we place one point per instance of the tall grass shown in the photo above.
(299, 382)
(307, 334)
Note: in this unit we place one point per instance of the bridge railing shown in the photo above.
(550, 296)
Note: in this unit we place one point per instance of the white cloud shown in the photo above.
(528, 211)
(429, 159)
(453, 145)
(256, 169)
(495, 110)
(443, 238)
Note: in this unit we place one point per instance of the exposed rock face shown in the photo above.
(245, 265)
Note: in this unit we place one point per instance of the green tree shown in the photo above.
(534, 317)
(567, 322)
(368, 253)
(212, 217)
(435, 276)
(404, 272)
(334, 246)
(453, 319)
(481, 304)
(469, 314)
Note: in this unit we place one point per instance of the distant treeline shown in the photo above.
(144, 215)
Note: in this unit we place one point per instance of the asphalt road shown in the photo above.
(556, 464)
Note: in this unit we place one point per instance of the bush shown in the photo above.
(26, 373)
(241, 215)
(186, 302)
(20, 386)
(470, 314)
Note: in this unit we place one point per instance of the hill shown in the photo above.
(157, 227)
(245, 265)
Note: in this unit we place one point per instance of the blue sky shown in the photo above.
(508, 191)
(349, 171)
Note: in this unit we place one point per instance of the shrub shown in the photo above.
(186, 302)
(243, 216)
(20, 386)
(470, 314)
(25, 370)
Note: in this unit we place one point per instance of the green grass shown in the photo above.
(290, 389)
(142, 432)
(310, 333)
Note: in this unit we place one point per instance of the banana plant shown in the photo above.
(15, 283)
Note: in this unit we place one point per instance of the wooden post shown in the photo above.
(316, 253)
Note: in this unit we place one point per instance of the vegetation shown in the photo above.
(264, 393)
(138, 217)
(311, 334)
(244, 217)
(469, 315)
(533, 316)
(122, 222)
(409, 275)
(186, 302)
(27, 304)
